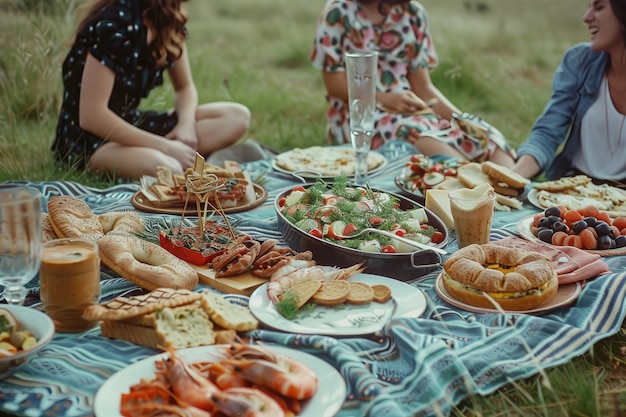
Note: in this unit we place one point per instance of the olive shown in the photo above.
(554, 219)
(602, 229)
(545, 235)
(620, 241)
(552, 211)
(591, 221)
(579, 226)
(604, 242)
(559, 227)
(544, 222)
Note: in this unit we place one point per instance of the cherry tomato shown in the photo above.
(400, 232)
(349, 229)
(388, 249)
(299, 188)
(316, 232)
(450, 172)
(437, 237)
(375, 221)
(282, 201)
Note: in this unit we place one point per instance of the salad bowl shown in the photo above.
(406, 265)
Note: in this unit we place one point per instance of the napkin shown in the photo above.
(571, 264)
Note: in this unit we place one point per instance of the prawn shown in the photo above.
(292, 265)
(189, 386)
(261, 366)
(247, 402)
(277, 287)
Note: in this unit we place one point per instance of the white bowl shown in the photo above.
(38, 324)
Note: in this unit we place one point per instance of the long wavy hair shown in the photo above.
(166, 18)
(619, 10)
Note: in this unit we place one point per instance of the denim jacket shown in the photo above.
(575, 88)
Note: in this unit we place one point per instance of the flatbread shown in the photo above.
(327, 161)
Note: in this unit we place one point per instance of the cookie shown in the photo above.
(360, 293)
(501, 174)
(332, 293)
(125, 307)
(382, 293)
(71, 217)
(301, 293)
(562, 184)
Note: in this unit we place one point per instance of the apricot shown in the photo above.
(619, 222)
(573, 240)
(589, 241)
(558, 238)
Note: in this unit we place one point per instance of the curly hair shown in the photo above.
(166, 18)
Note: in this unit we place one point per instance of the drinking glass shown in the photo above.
(20, 240)
(361, 68)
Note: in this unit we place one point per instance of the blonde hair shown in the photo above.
(166, 18)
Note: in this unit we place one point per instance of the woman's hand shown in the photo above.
(185, 133)
(406, 102)
(183, 153)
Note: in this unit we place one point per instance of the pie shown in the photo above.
(325, 161)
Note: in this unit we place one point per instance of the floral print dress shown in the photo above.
(404, 45)
(117, 38)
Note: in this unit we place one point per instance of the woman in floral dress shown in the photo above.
(121, 50)
(398, 30)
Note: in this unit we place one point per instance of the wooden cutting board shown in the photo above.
(242, 284)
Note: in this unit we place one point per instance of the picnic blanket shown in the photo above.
(414, 366)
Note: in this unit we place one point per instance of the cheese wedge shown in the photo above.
(438, 202)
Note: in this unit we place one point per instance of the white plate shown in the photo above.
(566, 295)
(326, 402)
(532, 199)
(344, 319)
(523, 228)
(314, 175)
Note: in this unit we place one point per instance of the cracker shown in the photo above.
(360, 293)
(71, 217)
(332, 293)
(564, 183)
(382, 293)
(301, 293)
(125, 307)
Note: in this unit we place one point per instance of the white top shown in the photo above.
(602, 153)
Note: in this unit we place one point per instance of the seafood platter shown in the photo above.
(344, 225)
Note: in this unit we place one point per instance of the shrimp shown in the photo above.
(280, 373)
(291, 266)
(170, 410)
(189, 386)
(247, 402)
(277, 287)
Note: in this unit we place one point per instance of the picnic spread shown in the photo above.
(420, 355)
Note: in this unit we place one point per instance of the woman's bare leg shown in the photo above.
(130, 162)
(430, 146)
(220, 125)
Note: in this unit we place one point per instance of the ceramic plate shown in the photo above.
(523, 228)
(566, 295)
(304, 174)
(344, 319)
(140, 202)
(326, 402)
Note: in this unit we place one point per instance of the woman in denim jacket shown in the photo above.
(587, 106)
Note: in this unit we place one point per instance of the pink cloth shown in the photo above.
(571, 264)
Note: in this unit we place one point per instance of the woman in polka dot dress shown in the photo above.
(121, 49)
(398, 30)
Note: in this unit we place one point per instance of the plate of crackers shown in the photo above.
(324, 162)
(578, 192)
(375, 301)
(227, 189)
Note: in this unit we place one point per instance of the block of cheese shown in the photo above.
(438, 202)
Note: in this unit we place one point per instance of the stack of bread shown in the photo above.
(172, 318)
(507, 184)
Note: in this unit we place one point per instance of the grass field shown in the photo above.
(496, 60)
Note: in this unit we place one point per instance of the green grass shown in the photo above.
(497, 64)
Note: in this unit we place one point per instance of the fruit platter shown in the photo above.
(587, 228)
(332, 221)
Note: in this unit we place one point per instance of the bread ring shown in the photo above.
(144, 263)
(71, 217)
(516, 279)
(121, 221)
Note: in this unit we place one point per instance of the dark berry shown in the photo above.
(579, 226)
(552, 211)
(559, 227)
(620, 241)
(602, 229)
(604, 242)
(591, 221)
(544, 222)
(545, 235)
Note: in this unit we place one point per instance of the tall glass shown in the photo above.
(20, 240)
(361, 71)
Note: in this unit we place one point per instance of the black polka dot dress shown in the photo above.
(117, 37)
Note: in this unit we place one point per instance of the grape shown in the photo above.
(579, 226)
(554, 219)
(544, 222)
(602, 229)
(591, 221)
(552, 211)
(545, 234)
(620, 241)
(559, 226)
(604, 242)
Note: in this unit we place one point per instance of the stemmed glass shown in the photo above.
(20, 240)
(361, 68)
